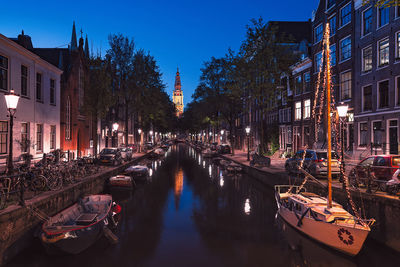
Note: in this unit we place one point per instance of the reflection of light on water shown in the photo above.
(204, 164)
(150, 172)
(155, 165)
(210, 170)
(247, 207)
(178, 186)
(221, 181)
(199, 160)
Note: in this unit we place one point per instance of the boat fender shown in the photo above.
(51, 239)
(105, 221)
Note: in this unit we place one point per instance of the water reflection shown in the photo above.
(184, 218)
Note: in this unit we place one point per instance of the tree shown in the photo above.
(98, 96)
(120, 56)
(382, 3)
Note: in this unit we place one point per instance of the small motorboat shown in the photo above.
(124, 181)
(137, 172)
(158, 152)
(78, 227)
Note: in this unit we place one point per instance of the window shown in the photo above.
(345, 49)
(318, 33)
(377, 133)
(383, 95)
(307, 82)
(3, 73)
(397, 45)
(297, 113)
(3, 137)
(24, 137)
(367, 98)
(367, 59)
(345, 85)
(307, 109)
(298, 85)
(397, 91)
(52, 137)
(367, 21)
(333, 54)
(330, 3)
(318, 61)
(39, 137)
(383, 52)
(306, 135)
(52, 92)
(39, 87)
(81, 86)
(332, 25)
(24, 80)
(68, 120)
(383, 16)
(363, 134)
(345, 15)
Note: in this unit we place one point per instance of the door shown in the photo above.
(393, 138)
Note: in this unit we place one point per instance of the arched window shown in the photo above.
(68, 120)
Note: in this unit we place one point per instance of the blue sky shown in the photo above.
(182, 33)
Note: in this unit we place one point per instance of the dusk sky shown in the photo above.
(180, 33)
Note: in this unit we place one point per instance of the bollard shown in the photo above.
(369, 181)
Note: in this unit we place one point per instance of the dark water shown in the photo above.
(193, 214)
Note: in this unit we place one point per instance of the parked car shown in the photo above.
(381, 167)
(148, 146)
(126, 153)
(110, 156)
(133, 147)
(224, 149)
(315, 163)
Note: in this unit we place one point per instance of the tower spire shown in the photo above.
(86, 47)
(74, 44)
(177, 96)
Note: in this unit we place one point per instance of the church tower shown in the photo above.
(177, 96)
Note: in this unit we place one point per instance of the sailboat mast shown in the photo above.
(328, 110)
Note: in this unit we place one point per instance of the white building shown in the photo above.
(37, 118)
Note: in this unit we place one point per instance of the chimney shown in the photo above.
(25, 41)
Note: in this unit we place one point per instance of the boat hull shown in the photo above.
(348, 240)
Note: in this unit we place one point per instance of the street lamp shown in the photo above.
(222, 134)
(115, 126)
(140, 138)
(11, 102)
(151, 136)
(248, 142)
(342, 112)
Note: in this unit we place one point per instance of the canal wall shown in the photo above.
(18, 225)
(383, 208)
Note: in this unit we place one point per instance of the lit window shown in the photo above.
(39, 137)
(307, 109)
(383, 52)
(24, 137)
(3, 137)
(52, 137)
(367, 59)
(297, 111)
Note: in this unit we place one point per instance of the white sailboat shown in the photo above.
(316, 216)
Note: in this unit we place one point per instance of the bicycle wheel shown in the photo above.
(54, 183)
(38, 183)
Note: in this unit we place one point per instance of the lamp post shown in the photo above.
(248, 142)
(151, 136)
(342, 112)
(140, 139)
(115, 127)
(11, 102)
(222, 136)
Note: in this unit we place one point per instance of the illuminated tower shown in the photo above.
(177, 96)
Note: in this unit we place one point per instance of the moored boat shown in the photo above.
(334, 226)
(78, 227)
(123, 181)
(137, 172)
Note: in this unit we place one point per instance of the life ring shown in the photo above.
(345, 236)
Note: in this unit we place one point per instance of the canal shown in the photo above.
(191, 213)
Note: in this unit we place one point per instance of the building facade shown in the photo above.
(177, 96)
(78, 131)
(377, 97)
(37, 120)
